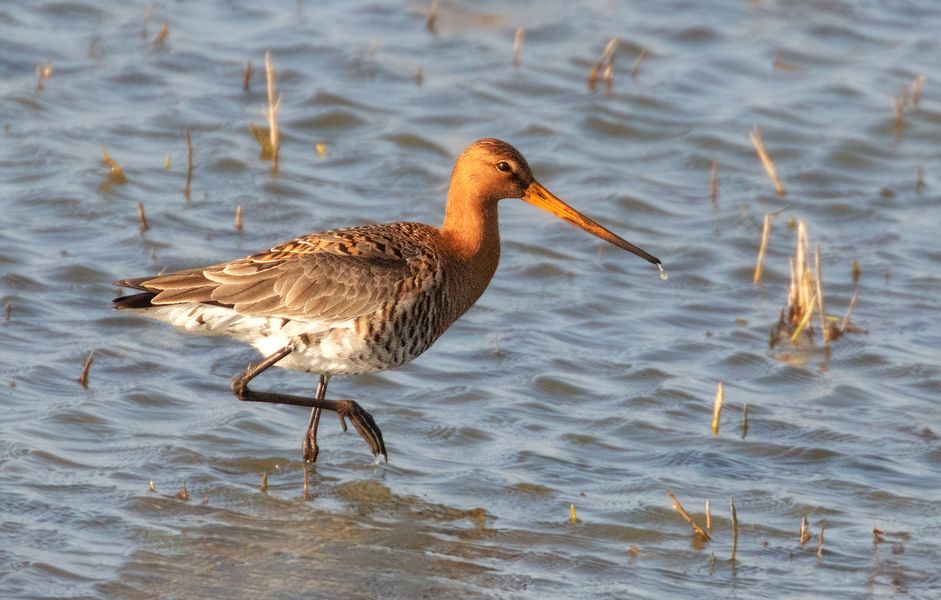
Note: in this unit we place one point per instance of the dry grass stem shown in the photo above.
(116, 173)
(238, 218)
(189, 163)
(8, 309)
(846, 318)
(899, 104)
(717, 408)
(805, 531)
(264, 482)
(779, 64)
(518, 45)
(762, 248)
(766, 161)
(274, 138)
(432, 17)
(606, 65)
(919, 179)
(877, 536)
(734, 527)
(43, 73)
(679, 508)
(916, 90)
(247, 77)
(824, 330)
(635, 71)
(183, 494)
(573, 516)
(152, 486)
(161, 38)
(305, 482)
(167, 163)
(708, 516)
(820, 542)
(142, 217)
(148, 14)
(855, 271)
(744, 420)
(714, 184)
(321, 149)
(83, 377)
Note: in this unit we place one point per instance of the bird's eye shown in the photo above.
(504, 166)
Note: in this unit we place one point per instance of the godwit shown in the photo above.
(360, 299)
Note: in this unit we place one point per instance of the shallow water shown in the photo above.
(580, 377)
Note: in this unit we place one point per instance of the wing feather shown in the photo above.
(332, 276)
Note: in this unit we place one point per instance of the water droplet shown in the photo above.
(663, 274)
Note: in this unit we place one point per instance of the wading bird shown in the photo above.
(360, 299)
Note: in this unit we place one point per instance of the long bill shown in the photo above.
(539, 196)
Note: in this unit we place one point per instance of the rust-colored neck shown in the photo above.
(471, 233)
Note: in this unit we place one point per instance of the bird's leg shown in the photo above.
(309, 445)
(362, 420)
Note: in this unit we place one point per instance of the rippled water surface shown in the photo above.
(579, 378)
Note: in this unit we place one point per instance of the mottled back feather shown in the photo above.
(334, 276)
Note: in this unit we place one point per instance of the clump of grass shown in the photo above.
(115, 173)
(766, 161)
(518, 45)
(805, 298)
(702, 533)
(606, 65)
(183, 494)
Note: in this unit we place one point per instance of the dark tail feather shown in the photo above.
(134, 301)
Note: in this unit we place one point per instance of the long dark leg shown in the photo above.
(309, 445)
(362, 420)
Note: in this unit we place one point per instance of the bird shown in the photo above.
(358, 299)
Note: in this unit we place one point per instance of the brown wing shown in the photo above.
(331, 276)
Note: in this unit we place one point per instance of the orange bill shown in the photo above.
(539, 196)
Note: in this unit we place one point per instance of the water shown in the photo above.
(580, 377)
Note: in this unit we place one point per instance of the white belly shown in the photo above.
(319, 347)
